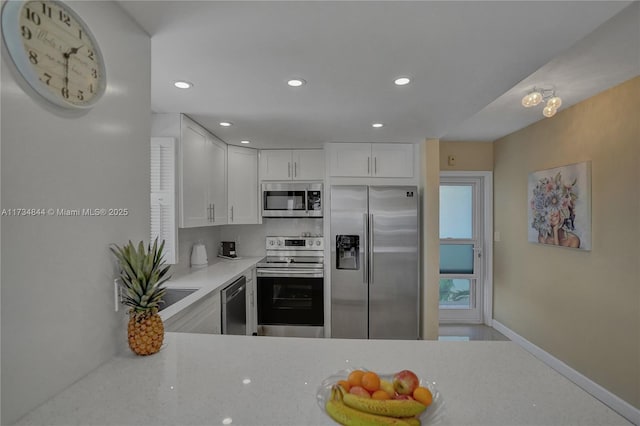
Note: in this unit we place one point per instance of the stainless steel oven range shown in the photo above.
(290, 287)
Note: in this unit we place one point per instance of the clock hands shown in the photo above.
(67, 55)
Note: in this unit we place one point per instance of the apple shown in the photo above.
(407, 397)
(405, 382)
(360, 391)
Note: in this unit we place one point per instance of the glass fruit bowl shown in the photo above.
(431, 416)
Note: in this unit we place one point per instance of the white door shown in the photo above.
(217, 166)
(242, 185)
(194, 195)
(275, 164)
(308, 164)
(392, 160)
(350, 159)
(461, 249)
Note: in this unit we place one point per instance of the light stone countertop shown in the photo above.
(208, 279)
(199, 379)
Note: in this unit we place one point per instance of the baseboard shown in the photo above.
(614, 402)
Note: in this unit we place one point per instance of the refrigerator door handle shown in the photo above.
(370, 245)
(365, 252)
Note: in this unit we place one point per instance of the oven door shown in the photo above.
(290, 297)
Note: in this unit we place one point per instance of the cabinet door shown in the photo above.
(203, 316)
(350, 159)
(242, 185)
(194, 197)
(217, 163)
(392, 159)
(275, 164)
(308, 164)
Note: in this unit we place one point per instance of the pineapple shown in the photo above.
(143, 273)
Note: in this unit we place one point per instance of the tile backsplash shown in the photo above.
(250, 239)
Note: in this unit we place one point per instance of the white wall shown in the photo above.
(58, 319)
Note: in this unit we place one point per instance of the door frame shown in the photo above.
(487, 244)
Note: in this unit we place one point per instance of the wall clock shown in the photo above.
(54, 51)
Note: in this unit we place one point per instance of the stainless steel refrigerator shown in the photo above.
(375, 290)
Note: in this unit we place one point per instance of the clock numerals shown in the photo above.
(32, 16)
(33, 57)
(91, 88)
(26, 32)
(79, 33)
(91, 55)
(94, 73)
(46, 10)
(80, 95)
(66, 19)
(65, 92)
(47, 78)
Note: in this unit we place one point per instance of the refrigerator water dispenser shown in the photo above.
(347, 252)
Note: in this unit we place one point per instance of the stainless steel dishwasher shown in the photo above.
(234, 308)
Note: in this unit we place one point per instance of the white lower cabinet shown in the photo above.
(203, 316)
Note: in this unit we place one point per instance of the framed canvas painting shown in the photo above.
(560, 206)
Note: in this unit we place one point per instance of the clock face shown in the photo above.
(54, 51)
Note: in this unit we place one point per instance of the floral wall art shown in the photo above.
(560, 206)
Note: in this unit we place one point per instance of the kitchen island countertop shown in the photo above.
(201, 379)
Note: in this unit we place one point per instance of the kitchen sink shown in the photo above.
(174, 295)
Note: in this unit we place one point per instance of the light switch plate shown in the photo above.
(451, 160)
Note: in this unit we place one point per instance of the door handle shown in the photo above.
(371, 260)
(365, 245)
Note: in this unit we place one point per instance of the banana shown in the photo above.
(389, 407)
(348, 416)
(413, 421)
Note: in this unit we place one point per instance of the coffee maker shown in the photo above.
(228, 249)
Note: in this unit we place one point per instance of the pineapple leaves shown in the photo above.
(142, 274)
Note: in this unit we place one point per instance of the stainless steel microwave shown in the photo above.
(291, 199)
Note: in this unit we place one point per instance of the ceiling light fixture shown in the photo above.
(183, 84)
(245, 142)
(296, 82)
(402, 81)
(377, 125)
(539, 95)
(225, 123)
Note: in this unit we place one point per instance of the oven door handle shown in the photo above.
(290, 273)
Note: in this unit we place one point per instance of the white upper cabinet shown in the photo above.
(242, 185)
(203, 177)
(308, 164)
(297, 164)
(388, 160)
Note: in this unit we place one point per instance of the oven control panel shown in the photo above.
(295, 243)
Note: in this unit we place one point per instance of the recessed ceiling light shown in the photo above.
(296, 82)
(245, 142)
(183, 84)
(225, 124)
(402, 81)
(377, 125)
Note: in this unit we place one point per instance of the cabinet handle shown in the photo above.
(213, 212)
(231, 213)
(295, 169)
(209, 212)
(375, 165)
(288, 169)
(368, 165)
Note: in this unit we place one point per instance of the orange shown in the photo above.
(380, 395)
(423, 395)
(355, 378)
(370, 381)
(345, 385)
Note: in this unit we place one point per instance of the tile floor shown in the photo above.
(467, 332)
